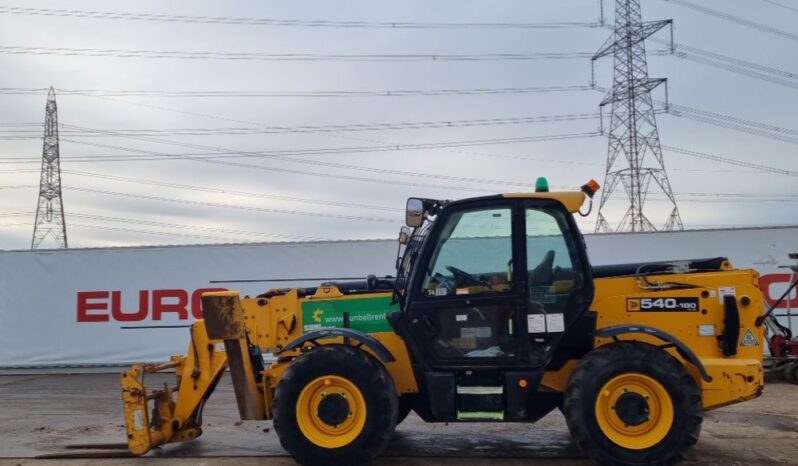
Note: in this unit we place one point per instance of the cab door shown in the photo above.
(559, 286)
(466, 299)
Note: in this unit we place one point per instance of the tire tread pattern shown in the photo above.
(612, 359)
(375, 384)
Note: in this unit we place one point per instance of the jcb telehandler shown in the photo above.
(495, 315)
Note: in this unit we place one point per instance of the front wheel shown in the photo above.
(335, 405)
(631, 403)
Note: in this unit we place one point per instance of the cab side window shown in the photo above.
(473, 255)
(549, 257)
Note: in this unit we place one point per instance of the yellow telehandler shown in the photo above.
(495, 315)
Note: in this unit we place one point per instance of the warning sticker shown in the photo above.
(749, 339)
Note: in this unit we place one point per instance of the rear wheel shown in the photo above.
(335, 405)
(631, 403)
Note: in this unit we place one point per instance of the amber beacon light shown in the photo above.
(590, 188)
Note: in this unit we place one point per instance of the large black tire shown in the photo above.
(342, 365)
(605, 371)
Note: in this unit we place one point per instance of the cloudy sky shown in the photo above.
(271, 148)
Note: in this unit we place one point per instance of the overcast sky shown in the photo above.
(360, 202)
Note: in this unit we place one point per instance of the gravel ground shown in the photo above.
(41, 414)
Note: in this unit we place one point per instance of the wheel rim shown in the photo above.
(634, 411)
(313, 412)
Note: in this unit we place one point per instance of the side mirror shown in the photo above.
(404, 235)
(414, 213)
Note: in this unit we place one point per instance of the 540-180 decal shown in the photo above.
(662, 304)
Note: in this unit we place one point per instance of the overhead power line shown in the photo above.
(296, 93)
(739, 70)
(729, 161)
(247, 122)
(177, 226)
(76, 131)
(734, 65)
(223, 154)
(287, 22)
(27, 225)
(348, 137)
(729, 123)
(738, 120)
(281, 169)
(17, 214)
(787, 7)
(236, 206)
(350, 167)
(766, 130)
(736, 19)
(209, 55)
(231, 192)
(679, 48)
(159, 233)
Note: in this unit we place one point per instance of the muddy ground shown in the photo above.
(41, 414)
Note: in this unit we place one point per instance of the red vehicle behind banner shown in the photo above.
(783, 359)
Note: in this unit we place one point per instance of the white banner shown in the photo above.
(121, 305)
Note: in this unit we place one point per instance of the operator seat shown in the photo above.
(543, 273)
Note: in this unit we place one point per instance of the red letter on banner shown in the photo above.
(766, 281)
(122, 316)
(84, 306)
(159, 307)
(196, 303)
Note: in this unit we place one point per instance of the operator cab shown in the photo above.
(492, 285)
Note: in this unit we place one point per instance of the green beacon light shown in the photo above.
(542, 185)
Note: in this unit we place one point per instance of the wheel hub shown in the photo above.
(632, 408)
(333, 409)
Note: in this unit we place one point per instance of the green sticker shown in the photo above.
(365, 314)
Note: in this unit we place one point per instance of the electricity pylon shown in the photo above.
(634, 157)
(50, 209)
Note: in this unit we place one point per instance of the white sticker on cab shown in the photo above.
(536, 323)
(555, 323)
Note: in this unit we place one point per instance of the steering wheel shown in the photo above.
(465, 278)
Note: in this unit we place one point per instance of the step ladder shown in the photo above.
(480, 403)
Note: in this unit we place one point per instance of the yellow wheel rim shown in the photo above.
(641, 429)
(325, 434)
